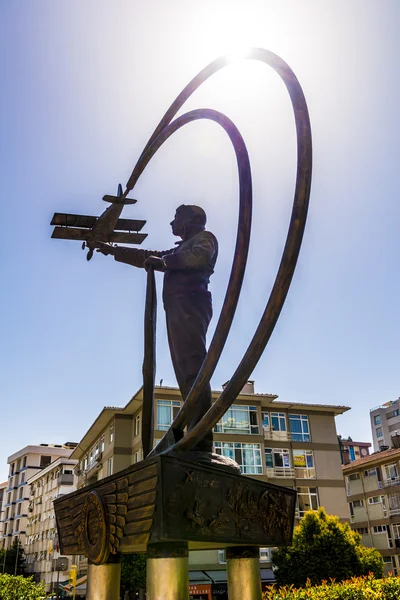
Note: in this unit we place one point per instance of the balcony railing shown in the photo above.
(284, 472)
(393, 481)
(394, 510)
(281, 436)
(65, 479)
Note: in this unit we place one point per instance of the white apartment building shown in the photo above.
(41, 546)
(24, 464)
(385, 423)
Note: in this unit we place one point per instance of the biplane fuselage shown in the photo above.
(108, 228)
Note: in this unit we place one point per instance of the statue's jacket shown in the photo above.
(188, 266)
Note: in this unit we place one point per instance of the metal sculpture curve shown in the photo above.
(289, 257)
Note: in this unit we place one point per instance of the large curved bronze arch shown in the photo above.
(288, 261)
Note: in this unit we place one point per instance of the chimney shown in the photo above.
(248, 387)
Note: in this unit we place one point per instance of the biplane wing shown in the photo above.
(81, 227)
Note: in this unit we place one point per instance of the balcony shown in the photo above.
(65, 479)
(281, 472)
(279, 436)
(393, 481)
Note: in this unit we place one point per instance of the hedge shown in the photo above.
(17, 587)
(356, 588)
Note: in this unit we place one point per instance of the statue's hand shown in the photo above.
(105, 249)
(155, 262)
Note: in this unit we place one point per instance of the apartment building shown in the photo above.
(288, 444)
(41, 545)
(3, 487)
(351, 450)
(24, 464)
(373, 495)
(385, 423)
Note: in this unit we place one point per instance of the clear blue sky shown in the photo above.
(83, 85)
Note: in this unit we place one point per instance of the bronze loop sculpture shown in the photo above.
(289, 257)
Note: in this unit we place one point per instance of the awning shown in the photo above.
(220, 576)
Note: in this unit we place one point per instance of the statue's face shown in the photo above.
(178, 225)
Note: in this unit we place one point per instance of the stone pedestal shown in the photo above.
(243, 567)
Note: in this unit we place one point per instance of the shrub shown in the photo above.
(356, 588)
(323, 548)
(16, 587)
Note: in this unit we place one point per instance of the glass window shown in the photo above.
(278, 421)
(166, 413)
(362, 530)
(303, 461)
(222, 557)
(299, 428)
(136, 457)
(248, 456)
(354, 476)
(379, 432)
(374, 500)
(357, 503)
(265, 554)
(110, 466)
(111, 433)
(265, 419)
(137, 426)
(391, 471)
(102, 443)
(238, 419)
(370, 472)
(307, 499)
(379, 529)
(377, 419)
(277, 458)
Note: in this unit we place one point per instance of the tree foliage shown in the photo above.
(133, 573)
(11, 558)
(20, 588)
(323, 548)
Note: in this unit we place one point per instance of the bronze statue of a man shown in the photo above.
(187, 301)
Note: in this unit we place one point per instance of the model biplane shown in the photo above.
(108, 228)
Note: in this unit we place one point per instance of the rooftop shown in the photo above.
(135, 403)
(376, 457)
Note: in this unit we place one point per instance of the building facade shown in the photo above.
(41, 545)
(373, 495)
(288, 444)
(24, 464)
(385, 423)
(351, 450)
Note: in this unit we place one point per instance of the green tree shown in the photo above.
(20, 588)
(133, 574)
(323, 548)
(13, 558)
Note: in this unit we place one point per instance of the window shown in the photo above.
(239, 419)
(166, 413)
(222, 557)
(278, 421)
(374, 500)
(136, 457)
(299, 428)
(354, 476)
(379, 529)
(307, 499)
(278, 459)
(362, 530)
(370, 473)
(45, 461)
(379, 432)
(303, 461)
(265, 419)
(248, 456)
(377, 419)
(24, 462)
(111, 433)
(265, 554)
(22, 478)
(137, 426)
(110, 466)
(102, 442)
(391, 471)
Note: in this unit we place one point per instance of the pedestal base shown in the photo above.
(103, 581)
(167, 572)
(243, 568)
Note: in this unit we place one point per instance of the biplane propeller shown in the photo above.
(108, 228)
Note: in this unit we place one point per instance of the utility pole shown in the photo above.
(4, 561)
(16, 557)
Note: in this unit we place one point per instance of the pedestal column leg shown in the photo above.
(167, 572)
(104, 581)
(243, 567)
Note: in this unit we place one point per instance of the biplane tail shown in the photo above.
(119, 199)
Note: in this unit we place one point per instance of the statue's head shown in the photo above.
(189, 219)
